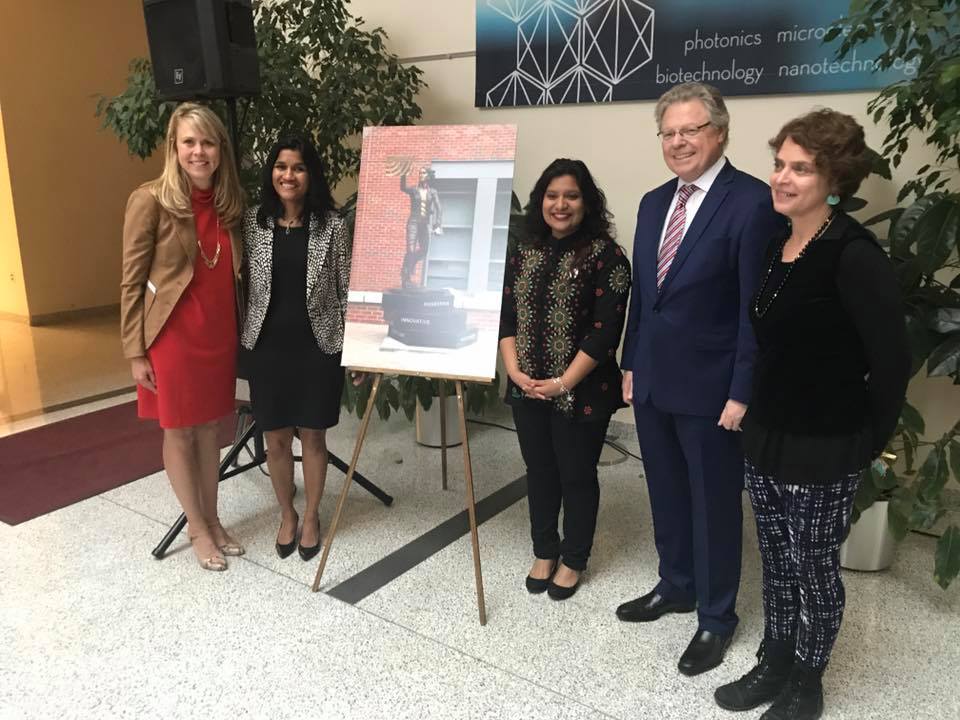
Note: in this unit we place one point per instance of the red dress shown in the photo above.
(194, 357)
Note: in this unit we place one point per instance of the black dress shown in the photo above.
(292, 382)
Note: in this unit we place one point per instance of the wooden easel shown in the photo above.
(468, 473)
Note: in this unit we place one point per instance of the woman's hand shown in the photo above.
(546, 389)
(142, 372)
(522, 381)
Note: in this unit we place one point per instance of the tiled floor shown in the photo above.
(92, 627)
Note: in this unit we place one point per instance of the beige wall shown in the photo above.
(70, 179)
(13, 297)
(618, 140)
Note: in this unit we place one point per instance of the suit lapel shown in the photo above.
(708, 208)
(317, 242)
(659, 216)
(187, 235)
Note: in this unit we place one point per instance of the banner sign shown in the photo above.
(545, 52)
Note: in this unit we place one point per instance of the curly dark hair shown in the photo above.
(318, 201)
(837, 144)
(596, 218)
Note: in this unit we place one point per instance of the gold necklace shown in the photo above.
(211, 263)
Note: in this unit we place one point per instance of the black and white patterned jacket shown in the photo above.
(328, 277)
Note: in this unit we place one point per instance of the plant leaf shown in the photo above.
(912, 419)
(944, 358)
(947, 558)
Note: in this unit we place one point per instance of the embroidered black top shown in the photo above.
(833, 360)
(555, 308)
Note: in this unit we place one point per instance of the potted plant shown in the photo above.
(923, 239)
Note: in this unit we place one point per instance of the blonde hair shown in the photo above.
(707, 94)
(172, 188)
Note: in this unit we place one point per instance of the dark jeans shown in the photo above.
(561, 458)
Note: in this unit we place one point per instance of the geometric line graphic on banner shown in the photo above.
(572, 50)
(515, 89)
(580, 86)
(515, 10)
(548, 43)
(579, 6)
(617, 38)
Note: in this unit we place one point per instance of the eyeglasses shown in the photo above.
(685, 133)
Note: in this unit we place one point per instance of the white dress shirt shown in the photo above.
(703, 183)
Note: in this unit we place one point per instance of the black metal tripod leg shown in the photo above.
(362, 481)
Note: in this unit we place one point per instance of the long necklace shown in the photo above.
(211, 263)
(760, 312)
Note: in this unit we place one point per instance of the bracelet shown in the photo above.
(559, 381)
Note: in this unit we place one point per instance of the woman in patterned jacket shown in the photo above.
(565, 294)
(299, 267)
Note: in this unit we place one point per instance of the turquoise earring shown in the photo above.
(833, 200)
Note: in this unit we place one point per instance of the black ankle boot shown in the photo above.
(763, 682)
(801, 698)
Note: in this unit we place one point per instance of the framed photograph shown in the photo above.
(429, 248)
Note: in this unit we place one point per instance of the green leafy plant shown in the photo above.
(923, 240)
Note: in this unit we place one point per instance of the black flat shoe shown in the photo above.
(704, 652)
(651, 607)
(308, 553)
(559, 592)
(286, 549)
(535, 586)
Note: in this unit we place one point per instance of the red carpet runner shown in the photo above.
(56, 465)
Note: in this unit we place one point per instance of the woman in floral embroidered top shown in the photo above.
(565, 294)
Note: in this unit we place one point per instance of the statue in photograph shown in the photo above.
(426, 218)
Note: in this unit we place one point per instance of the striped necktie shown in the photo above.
(674, 234)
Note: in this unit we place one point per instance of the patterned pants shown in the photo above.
(800, 528)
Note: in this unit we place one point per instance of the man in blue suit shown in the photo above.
(688, 356)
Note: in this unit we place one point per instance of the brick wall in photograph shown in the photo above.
(382, 209)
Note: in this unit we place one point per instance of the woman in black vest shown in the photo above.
(829, 382)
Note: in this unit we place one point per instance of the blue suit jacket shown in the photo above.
(690, 345)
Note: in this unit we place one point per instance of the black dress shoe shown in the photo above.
(535, 586)
(307, 553)
(763, 682)
(285, 549)
(704, 652)
(801, 697)
(650, 607)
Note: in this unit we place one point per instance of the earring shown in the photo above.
(833, 199)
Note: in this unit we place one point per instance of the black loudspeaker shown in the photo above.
(202, 48)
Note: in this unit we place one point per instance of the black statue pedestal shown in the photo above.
(424, 317)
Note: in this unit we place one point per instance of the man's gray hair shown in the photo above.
(707, 94)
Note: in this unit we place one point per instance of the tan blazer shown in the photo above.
(159, 251)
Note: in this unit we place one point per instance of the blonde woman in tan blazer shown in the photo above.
(179, 306)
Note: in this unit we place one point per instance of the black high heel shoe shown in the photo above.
(285, 549)
(307, 553)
